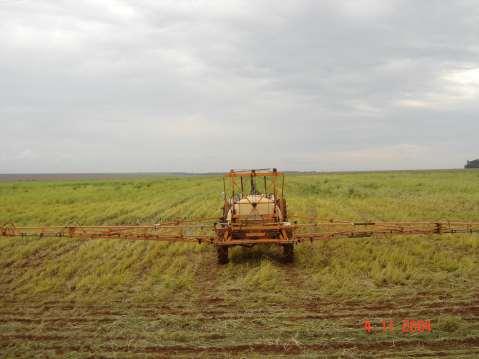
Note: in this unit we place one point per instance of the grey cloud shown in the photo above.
(161, 85)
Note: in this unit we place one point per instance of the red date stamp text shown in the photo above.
(407, 326)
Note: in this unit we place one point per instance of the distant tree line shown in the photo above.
(472, 164)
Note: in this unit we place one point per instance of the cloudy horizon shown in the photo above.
(203, 86)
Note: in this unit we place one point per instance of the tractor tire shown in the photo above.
(222, 252)
(288, 251)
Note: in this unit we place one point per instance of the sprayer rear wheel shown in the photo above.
(222, 252)
(288, 251)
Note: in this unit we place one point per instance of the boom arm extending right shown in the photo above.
(331, 230)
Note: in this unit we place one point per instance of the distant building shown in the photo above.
(472, 164)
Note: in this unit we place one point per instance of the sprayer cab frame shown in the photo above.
(237, 183)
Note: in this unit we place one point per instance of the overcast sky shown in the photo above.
(101, 86)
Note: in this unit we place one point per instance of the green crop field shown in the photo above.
(116, 298)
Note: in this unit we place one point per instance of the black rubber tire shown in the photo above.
(288, 251)
(222, 252)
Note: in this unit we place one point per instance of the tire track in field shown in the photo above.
(210, 308)
(443, 346)
(470, 313)
(313, 304)
(207, 281)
